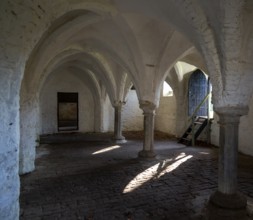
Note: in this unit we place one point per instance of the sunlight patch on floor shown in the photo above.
(168, 168)
(110, 148)
(203, 153)
(156, 171)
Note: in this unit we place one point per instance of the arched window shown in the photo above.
(198, 89)
(167, 90)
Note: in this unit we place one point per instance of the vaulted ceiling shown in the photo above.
(140, 42)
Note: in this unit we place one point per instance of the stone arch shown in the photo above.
(128, 86)
(179, 82)
(86, 61)
(18, 38)
(29, 95)
(84, 83)
(166, 67)
(67, 61)
(198, 31)
(92, 83)
(36, 61)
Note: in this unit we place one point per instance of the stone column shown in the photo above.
(149, 124)
(227, 202)
(118, 137)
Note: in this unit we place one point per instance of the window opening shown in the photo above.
(167, 90)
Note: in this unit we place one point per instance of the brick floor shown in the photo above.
(81, 181)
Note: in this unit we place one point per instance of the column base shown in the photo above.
(119, 140)
(146, 154)
(227, 207)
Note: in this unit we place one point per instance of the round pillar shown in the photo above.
(227, 202)
(149, 124)
(118, 137)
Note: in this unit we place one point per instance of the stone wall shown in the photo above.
(108, 116)
(165, 119)
(65, 82)
(246, 132)
(24, 23)
(22, 26)
(132, 118)
(215, 129)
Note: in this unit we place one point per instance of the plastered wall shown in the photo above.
(132, 118)
(165, 120)
(65, 82)
(132, 115)
(246, 132)
(108, 116)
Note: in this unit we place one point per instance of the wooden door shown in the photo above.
(198, 89)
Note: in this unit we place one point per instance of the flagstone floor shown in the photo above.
(105, 181)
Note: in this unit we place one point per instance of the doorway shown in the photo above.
(67, 111)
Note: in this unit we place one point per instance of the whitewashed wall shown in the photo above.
(246, 132)
(65, 82)
(132, 117)
(215, 129)
(108, 116)
(165, 119)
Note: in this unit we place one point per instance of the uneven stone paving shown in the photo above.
(102, 181)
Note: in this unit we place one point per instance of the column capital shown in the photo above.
(147, 107)
(232, 110)
(230, 115)
(118, 103)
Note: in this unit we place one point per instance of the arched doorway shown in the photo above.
(197, 91)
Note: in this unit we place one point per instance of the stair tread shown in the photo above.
(204, 117)
(202, 122)
(198, 122)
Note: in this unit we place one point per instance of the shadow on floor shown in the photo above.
(98, 180)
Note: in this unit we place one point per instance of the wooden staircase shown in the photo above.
(194, 130)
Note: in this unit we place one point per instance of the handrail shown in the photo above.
(198, 107)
